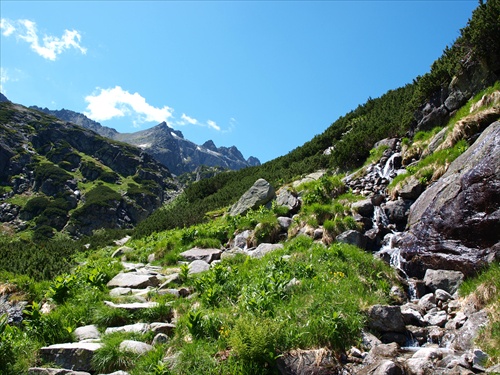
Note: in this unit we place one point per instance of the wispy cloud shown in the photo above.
(50, 47)
(4, 77)
(187, 120)
(213, 125)
(117, 102)
(106, 104)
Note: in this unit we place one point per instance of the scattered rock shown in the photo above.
(54, 371)
(364, 207)
(134, 328)
(308, 362)
(263, 249)
(207, 255)
(137, 347)
(198, 266)
(135, 306)
(121, 251)
(87, 332)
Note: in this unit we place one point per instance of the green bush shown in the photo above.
(110, 358)
(35, 206)
(45, 171)
(255, 341)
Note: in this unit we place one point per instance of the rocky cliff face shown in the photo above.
(166, 145)
(57, 174)
(455, 223)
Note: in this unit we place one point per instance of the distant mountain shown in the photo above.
(55, 175)
(79, 119)
(166, 145)
(180, 155)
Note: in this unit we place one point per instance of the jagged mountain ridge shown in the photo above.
(166, 145)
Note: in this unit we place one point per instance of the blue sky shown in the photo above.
(266, 76)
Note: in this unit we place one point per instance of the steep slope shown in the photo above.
(79, 119)
(57, 175)
(166, 145)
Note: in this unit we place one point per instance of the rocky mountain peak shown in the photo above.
(210, 145)
(165, 144)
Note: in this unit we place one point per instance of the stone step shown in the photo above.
(133, 280)
(76, 355)
(134, 306)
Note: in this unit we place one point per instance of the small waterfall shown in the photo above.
(388, 169)
(393, 253)
(379, 217)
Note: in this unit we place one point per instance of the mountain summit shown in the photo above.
(165, 144)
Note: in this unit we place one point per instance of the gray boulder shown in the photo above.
(308, 362)
(136, 347)
(386, 319)
(208, 255)
(455, 223)
(449, 281)
(286, 198)
(353, 237)
(284, 222)
(133, 280)
(411, 188)
(198, 266)
(134, 306)
(54, 371)
(263, 249)
(131, 328)
(87, 333)
(258, 195)
(77, 356)
(364, 207)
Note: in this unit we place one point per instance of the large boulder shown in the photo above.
(258, 195)
(455, 223)
(448, 281)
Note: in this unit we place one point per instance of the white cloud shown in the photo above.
(51, 46)
(189, 120)
(106, 104)
(7, 27)
(213, 125)
(4, 77)
(116, 102)
(232, 125)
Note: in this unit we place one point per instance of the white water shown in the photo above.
(386, 172)
(379, 217)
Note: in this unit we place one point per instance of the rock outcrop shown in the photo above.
(455, 223)
(258, 195)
